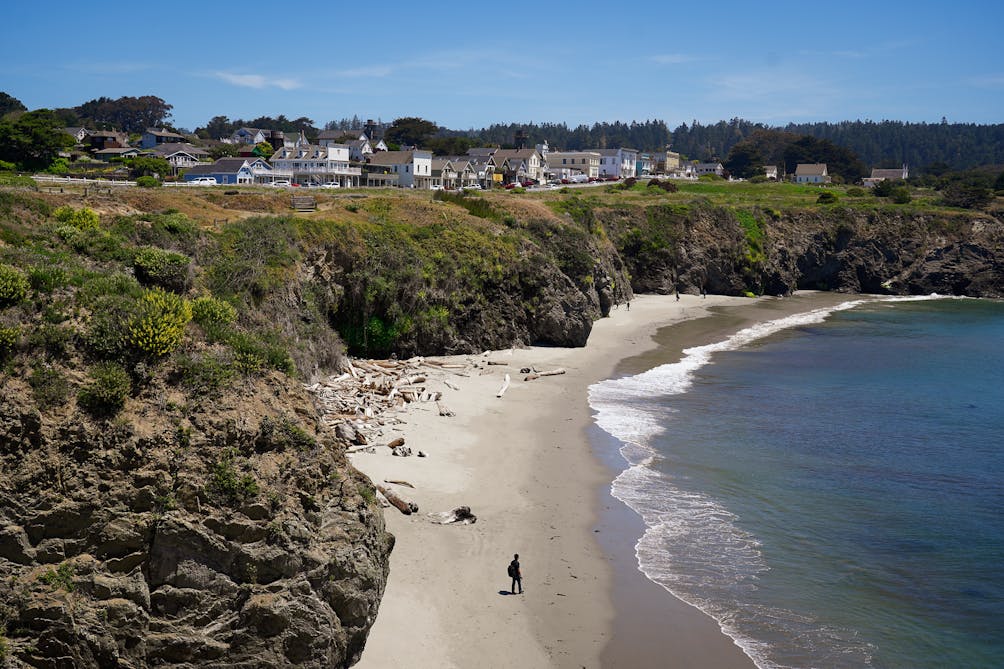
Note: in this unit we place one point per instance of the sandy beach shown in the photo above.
(524, 465)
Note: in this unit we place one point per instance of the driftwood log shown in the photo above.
(404, 506)
(505, 387)
(537, 375)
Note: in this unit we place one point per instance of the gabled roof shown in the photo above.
(171, 148)
(116, 151)
(520, 154)
(396, 157)
(810, 170)
(481, 151)
(887, 173)
(160, 132)
(225, 166)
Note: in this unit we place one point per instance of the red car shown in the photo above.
(528, 183)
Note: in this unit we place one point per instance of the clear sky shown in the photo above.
(470, 64)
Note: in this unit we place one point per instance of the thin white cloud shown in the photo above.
(987, 81)
(257, 81)
(672, 58)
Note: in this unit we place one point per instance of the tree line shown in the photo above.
(955, 146)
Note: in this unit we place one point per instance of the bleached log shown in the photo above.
(352, 370)
(357, 449)
(444, 410)
(505, 387)
(450, 385)
(404, 506)
(404, 483)
(537, 375)
(498, 363)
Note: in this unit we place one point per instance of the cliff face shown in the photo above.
(769, 252)
(231, 534)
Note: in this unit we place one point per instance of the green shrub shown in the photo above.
(46, 278)
(252, 355)
(826, 197)
(901, 195)
(82, 219)
(158, 267)
(9, 339)
(60, 578)
(49, 385)
(205, 373)
(209, 311)
(53, 339)
(227, 484)
(147, 182)
(277, 434)
(159, 326)
(856, 192)
(107, 333)
(106, 393)
(13, 285)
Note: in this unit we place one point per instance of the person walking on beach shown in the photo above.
(516, 575)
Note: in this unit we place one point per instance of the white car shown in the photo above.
(281, 184)
(472, 187)
(331, 184)
(203, 181)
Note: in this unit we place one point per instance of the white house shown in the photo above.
(562, 164)
(310, 163)
(879, 174)
(811, 173)
(770, 171)
(709, 168)
(180, 155)
(620, 163)
(413, 169)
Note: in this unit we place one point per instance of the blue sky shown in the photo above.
(469, 64)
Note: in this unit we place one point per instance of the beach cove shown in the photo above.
(525, 465)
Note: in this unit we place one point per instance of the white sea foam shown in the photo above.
(692, 545)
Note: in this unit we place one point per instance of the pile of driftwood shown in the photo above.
(358, 403)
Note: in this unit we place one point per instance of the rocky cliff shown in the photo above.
(761, 251)
(229, 533)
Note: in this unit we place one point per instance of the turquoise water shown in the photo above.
(829, 486)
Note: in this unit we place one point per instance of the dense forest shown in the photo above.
(884, 144)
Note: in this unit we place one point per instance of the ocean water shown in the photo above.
(829, 486)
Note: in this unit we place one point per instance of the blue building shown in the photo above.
(233, 171)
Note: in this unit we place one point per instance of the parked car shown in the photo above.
(203, 181)
(472, 187)
(528, 183)
(281, 183)
(331, 184)
(436, 187)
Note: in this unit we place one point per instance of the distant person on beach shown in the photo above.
(677, 296)
(629, 305)
(516, 575)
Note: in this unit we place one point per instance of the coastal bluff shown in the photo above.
(169, 493)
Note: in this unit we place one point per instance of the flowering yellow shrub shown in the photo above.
(159, 326)
(13, 285)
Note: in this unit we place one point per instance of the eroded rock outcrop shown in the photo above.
(232, 534)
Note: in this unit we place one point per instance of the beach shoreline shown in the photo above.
(527, 468)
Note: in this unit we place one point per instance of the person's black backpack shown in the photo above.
(512, 570)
